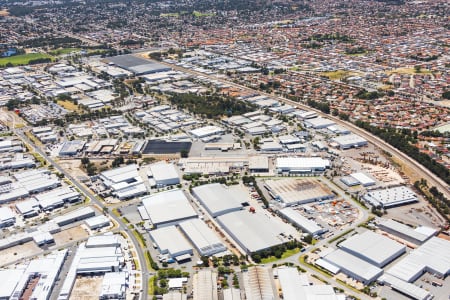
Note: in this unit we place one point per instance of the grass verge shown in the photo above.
(286, 254)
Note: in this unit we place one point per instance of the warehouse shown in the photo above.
(302, 222)
(391, 197)
(297, 191)
(219, 199)
(405, 288)
(171, 241)
(373, 248)
(353, 266)
(97, 222)
(301, 165)
(270, 147)
(318, 123)
(416, 236)
(138, 66)
(253, 232)
(28, 208)
(205, 285)
(358, 179)
(432, 257)
(7, 217)
(258, 164)
(206, 242)
(349, 141)
(13, 193)
(207, 131)
(114, 286)
(168, 208)
(258, 283)
(74, 216)
(72, 148)
(165, 147)
(124, 182)
(164, 174)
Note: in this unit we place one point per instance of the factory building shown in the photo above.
(305, 224)
(432, 257)
(74, 216)
(258, 164)
(168, 208)
(416, 236)
(301, 165)
(124, 182)
(253, 232)
(7, 217)
(258, 283)
(219, 199)
(207, 131)
(348, 141)
(358, 178)
(171, 241)
(391, 197)
(97, 222)
(318, 123)
(205, 285)
(164, 174)
(373, 248)
(204, 239)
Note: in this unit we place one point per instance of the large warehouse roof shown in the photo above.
(253, 232)
(419, 234)
(117, 175)
(202, 237)
(406, 288)
(354, 266)
(170, 240)
(137, 65)
(433, 256)
(302, 164)
(164, 173)
(258, 283)
(305, 224)
(391, 196)
(373, 247)
(205, 285)
(219, 199)
(167, 207)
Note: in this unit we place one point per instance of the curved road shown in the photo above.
(89, 194)
(413, 164)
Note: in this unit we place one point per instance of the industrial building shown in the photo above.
(74, 216)
(97, 222)
(373, 248)
(124, 182)
(352, 266)
(172, 242)
(305, 224)
(348, 141)
(405, 288)
(35, 279)
(418, 235)
(358, 178)
(258, 283)
(258, 164)
(72, 148)
(294, 286)
(219, 199)
(253, 232)
(318, 123)
(205, 285)
(164, 174)
(138, 66)
(432, 257)
(7, 217)
(391, 197)
(28, 208)
(99, 255)
(57, 197)
(168, 208)
(207, 131)
(114, 286)
(204, 239)
(301, 165)
(297, 191)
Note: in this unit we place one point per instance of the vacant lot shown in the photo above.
(23, 59)
(87, 288)
(69, 235)
(12, 254)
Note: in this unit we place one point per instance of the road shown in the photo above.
(91, 196)
(416, 167)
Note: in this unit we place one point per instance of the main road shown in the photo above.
(91, 196)
(415, 166)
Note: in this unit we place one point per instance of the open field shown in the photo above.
(69, 105)
(69, 235)
(23, 59)
(4, 13)
(285, 255)
(199, 14)
(12, 254)
(63, 51)
(87, 288)
(410, 71)
(336, 75)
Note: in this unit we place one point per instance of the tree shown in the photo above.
(417, 68)
(308, 239)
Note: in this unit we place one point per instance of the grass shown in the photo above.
(69, 105)
(23, 59)
(409, 71)
(116, 212)
(286, 254)
(303, 262)
(33, 139)
(151, 285)
(63, 51)
(39, 158)
(170, 15)
(139, 237)
(199, 14)
(338, 74)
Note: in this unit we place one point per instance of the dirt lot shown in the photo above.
(87, 288)
(28, 249)
(69, 235)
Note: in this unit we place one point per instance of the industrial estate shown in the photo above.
(208, 165)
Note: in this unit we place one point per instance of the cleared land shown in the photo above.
(336, 75)
(18, 252)
(63, 51)
(69, 105)
(69, 235)
(410, 71)
(87, 288)
(23, 59)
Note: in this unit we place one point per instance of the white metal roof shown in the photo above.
(168, 206)
(363, 179)
(433, 255)
(10, 279)
(205, 285)
(169, 239)
(163, 171)
(376, 248)
(219, 199)
(258, 283)
(421, 233)
(391, 196)
(203, 238)
(349, 139)
(301, 221)
(405, 287)
(302, 163)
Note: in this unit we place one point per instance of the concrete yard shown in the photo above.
(70, 235)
